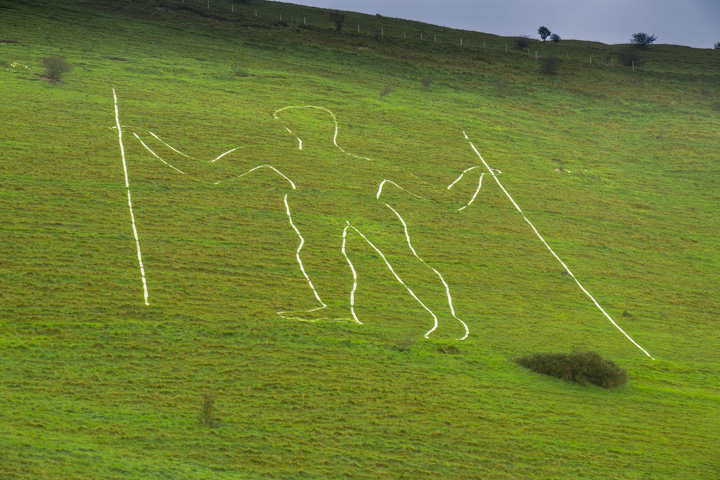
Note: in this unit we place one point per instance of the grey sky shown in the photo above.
(695, 23)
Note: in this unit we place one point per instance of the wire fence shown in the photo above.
(380, 27)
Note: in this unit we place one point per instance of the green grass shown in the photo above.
(617, 169)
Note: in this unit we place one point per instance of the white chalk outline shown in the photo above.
(490, 170)
(478, 188)
(127, 186)
(380, 188)
(392, 270)
(299, 260)
(323, 109)
(257, 168)
(447, 288)
(222, 155)
(155, 154)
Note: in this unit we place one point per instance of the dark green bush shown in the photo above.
(522, 42)
(585, 368)
(630, 56)
(550, 65)
(55, 67)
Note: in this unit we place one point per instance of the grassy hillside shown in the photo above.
(616, 168)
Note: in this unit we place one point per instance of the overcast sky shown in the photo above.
(695, 23)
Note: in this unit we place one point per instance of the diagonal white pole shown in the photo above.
(127, 186)
(553, 252)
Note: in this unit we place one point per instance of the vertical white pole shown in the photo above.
(506, 48)
(436, 38)
(382, 31)
(536, 53)
(483, 44)
(612, 62)
(568, 55)
(460, 41)
(304, 21)
(256, 13)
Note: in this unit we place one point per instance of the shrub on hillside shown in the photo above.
(555, 38)
(630, 56)
(550, 65)
(337, 19)
(55, 67)
(585, 368)
(522, 42)
(385, 91)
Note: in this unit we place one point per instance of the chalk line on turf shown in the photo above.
(447, 288)
(127, 186)
(492, 172)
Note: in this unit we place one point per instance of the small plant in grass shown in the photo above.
(449, 350)
(237, 71)
(208, 416)
(404, 344)
(55, 67)
(426, 81)
(585, 368)
(501, 86)
(550, 65)
(385, 91)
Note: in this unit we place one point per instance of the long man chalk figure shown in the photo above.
(352, 189)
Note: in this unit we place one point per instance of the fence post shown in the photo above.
(460, 41)
(358, 28)
(382, 31)
(436, 38)
(421, 36)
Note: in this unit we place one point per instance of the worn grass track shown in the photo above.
(617, 169)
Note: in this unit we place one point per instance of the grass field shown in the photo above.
(616, 168)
